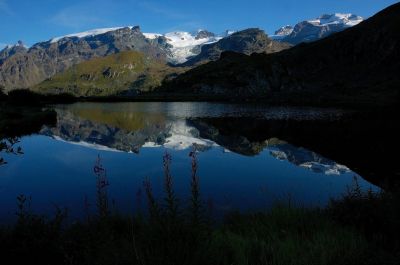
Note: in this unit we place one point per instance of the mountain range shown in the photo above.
(176, 53)
(124, 61)
(23, 67)
(45, 59)
(357, 66)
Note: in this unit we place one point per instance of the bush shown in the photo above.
(376, 215)
(24, 97)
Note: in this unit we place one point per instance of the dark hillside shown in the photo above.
(360, 65)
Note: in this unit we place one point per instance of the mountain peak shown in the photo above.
(10, 50)
(284, 31)
(202, 34)
(315, 29)
(19, 44)
(338, 18)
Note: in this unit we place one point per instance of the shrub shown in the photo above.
(24, 97)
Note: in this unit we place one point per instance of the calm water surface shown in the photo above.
(243, 165)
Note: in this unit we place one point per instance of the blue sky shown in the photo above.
(37, 20)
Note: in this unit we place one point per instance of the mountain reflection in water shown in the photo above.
(250, 155)
(126, 129)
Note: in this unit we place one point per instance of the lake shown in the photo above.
(249, 156)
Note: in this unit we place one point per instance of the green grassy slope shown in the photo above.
(126, 72)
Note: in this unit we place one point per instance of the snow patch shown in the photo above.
(152, 36)
(227, 33)
(89, 33)
(4, 46)
(184, 43)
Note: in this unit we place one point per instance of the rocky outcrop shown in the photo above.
(203, 34)
(9, 51)
(284, 31)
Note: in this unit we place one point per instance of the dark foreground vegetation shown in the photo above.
(21, 113)
(360, 228)
(26, 97)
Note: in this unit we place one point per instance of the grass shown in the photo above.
(117, 74)
(288, 235)
(360, 228)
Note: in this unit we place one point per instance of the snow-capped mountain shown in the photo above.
(348, 20)
(22, 67)
(45, 59)
(311, 30)
(183, 45)
(60, 53)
